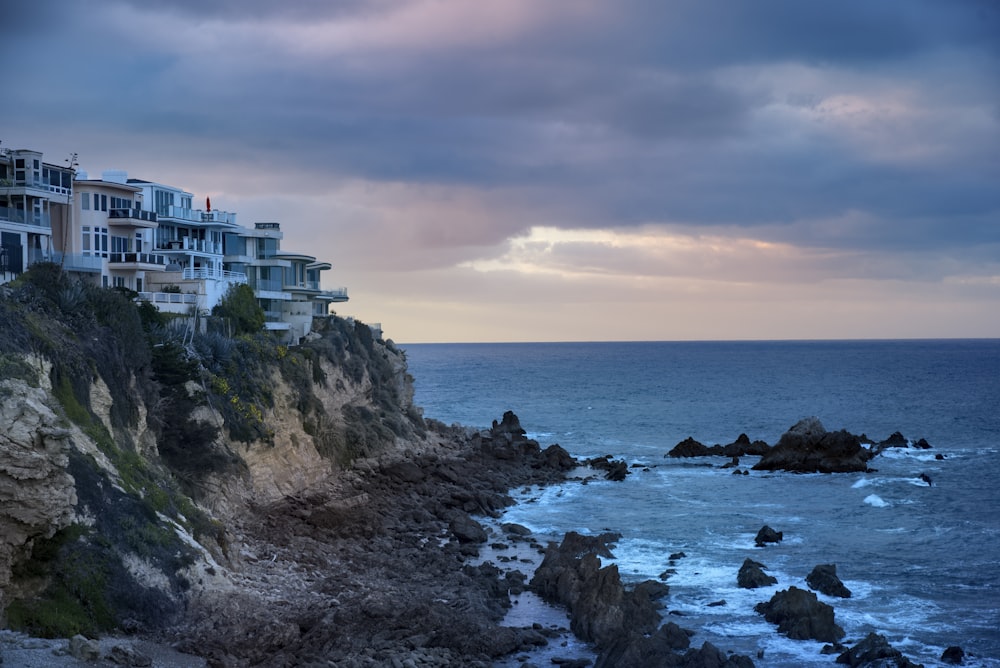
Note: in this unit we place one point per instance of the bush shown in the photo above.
(240, 307)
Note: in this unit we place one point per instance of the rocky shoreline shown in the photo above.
(387, 565)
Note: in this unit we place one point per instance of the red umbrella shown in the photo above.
(208, 203)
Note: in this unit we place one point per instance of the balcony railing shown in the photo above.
(38, 184)
(133, 214)
(269, 286)
(189, 244)
(169, 297)
(205, 273)
(335, 295)
(198, 216)
(137, 258)
(12, 215)
(75, 261)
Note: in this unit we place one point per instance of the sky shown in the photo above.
(560, 170)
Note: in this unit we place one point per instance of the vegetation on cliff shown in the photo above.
(183, 400)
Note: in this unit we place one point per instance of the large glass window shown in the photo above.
(85, 201)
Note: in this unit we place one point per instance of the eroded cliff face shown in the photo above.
(94, 521)
(37, 493)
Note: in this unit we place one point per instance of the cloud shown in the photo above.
(640, 144)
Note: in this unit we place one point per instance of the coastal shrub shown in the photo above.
(239, 306)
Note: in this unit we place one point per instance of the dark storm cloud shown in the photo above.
(649, 112)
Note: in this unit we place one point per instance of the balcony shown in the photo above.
(23, 217)
(37, 186)
(90, 264)
(137, 261)
(189, 245)
(207, 218)
(206, 274)
(335, 295)
(133, 218)
(168, 297)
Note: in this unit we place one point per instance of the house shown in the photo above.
(287, 284)
(110, 238)
(147, 237)
(191, 240)
(35, 205)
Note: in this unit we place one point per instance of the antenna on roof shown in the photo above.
(73, 163)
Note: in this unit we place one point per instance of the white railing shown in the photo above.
(206, 273)
(199, 216)
(169, 297)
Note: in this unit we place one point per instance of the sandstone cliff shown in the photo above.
(130, 454)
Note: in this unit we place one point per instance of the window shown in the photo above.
(86, 240)
(104, 202)
(120, 203)
(97, 202)
(95, 241)
(119, 245)
(119, 281)
(85, 201)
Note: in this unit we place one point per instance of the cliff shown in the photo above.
(132, 452)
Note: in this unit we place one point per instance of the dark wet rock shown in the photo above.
(954, 655)
(823, 579)
(600, 608)
(651, 589)
(768, 535)
(743, 446)
(515, 529)
(896, 440)
(466, 529)
(876, 652)
(926, 478)
(808, 448)
(801, 616)
(922, 444)
(655, 650)
(509, 424)
(689, 447)
(752, 575)
(710, 656)
(615, 470)
(556, 457)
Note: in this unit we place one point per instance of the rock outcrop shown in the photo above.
(808, 448)
(875, 650)
(767, 535)
(823, 578)
(801, 616)
(752, 575)
(742, 446)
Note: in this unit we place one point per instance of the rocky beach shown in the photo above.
(236, 503)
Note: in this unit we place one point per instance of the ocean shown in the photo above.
(922, 561)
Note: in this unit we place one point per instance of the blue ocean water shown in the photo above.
(922, 562)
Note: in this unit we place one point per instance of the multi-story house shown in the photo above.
(192, 242)
(287, 284)
(148, 237)
(35, 207)
(111, 235)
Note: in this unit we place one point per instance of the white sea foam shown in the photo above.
(876, 501)
(862, 482)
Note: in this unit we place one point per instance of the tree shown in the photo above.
(240, 307)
